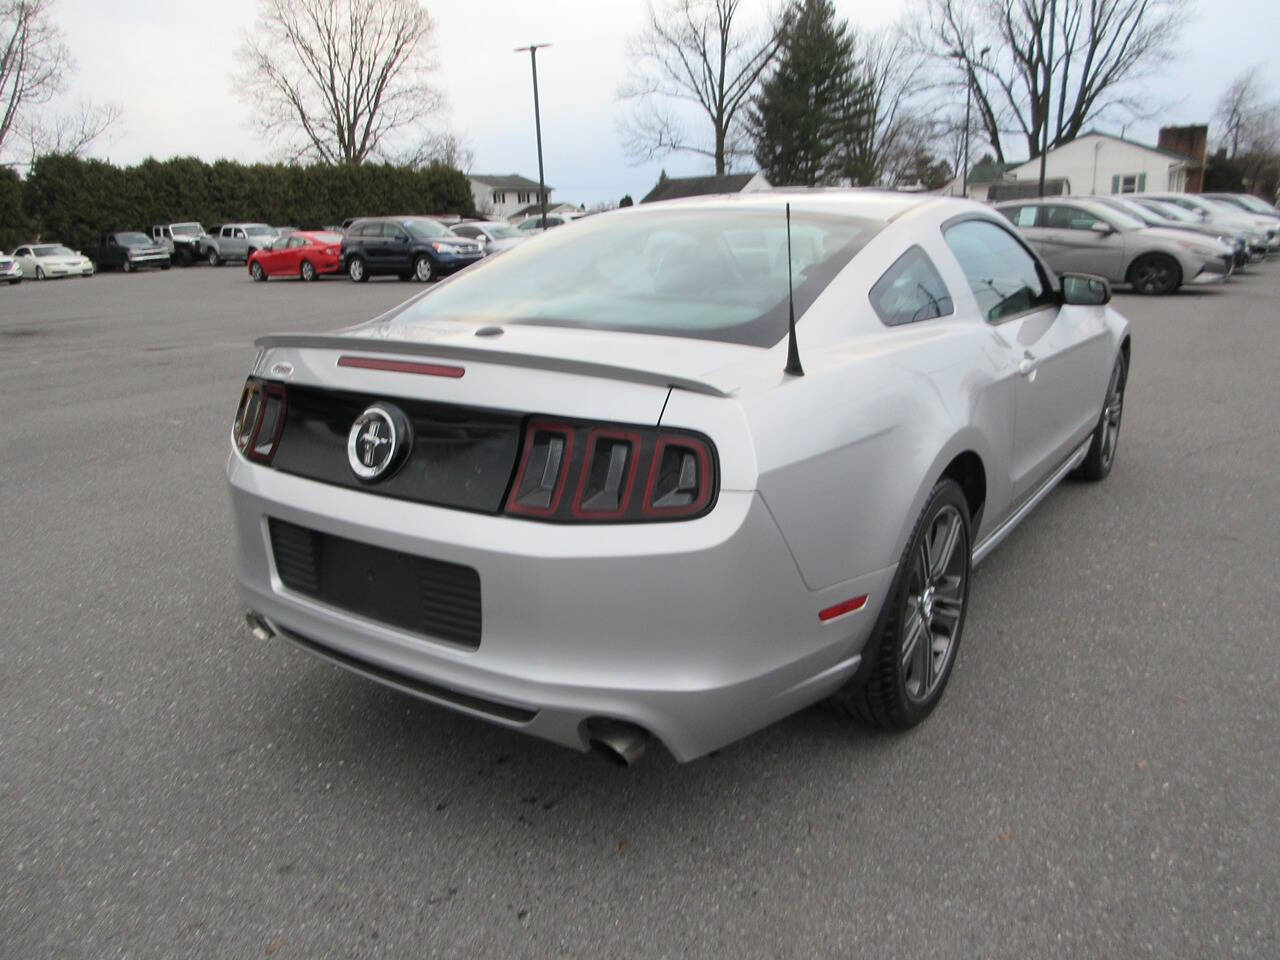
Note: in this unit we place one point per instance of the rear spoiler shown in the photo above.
(583, 368)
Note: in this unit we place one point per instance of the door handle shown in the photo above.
(1027, 365)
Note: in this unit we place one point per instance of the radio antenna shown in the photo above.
(793, 351)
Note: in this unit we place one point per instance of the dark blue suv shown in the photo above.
(411, 248)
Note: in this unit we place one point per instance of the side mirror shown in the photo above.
(1083, 290)
(1101, 227)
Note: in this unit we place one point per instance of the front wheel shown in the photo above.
(127, 266)
(39, 272)
(1155, 274)
(1106, 435)
(256, 271)
(212, 257)
(424, 271)
(308, 271)
(908, 659)
(185, 257)
(357, 271)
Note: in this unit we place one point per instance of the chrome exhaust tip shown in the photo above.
(259, 626)
(617, 741)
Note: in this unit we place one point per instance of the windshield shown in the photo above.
(710, 274)
(1172, 212)
(1250, 202)
(187, 229)
(500, 231)
(1117, 217)
(53, 250)
(427, 229)
(1136, 210)
(133, 240)
(260, 231)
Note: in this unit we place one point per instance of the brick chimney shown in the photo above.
(1193, 143)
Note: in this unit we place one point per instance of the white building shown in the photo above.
(1099, 163)
(677, 188)
(500, 196)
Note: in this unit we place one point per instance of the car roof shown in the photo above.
(853, 201)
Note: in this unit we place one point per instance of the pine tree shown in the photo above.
(812, 112)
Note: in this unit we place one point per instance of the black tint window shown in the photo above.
(1063, 217)
(911, 290)
(1004, 278)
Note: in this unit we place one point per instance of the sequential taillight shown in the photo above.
(576, 472)
(259, 419)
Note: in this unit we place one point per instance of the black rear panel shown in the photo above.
(460, 458)
(430, 597)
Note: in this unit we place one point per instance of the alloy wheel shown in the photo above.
(356, 269)
(308, 270)
(422, 270)
(1111, 415)
(935, 600)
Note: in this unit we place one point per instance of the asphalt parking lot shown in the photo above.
(1101, 780)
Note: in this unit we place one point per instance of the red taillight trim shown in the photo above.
(633, 467)
(840, 609)
(566, 465)
(402, 366)
(704, 478)
(268, 390)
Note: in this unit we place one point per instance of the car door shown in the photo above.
(1048, 352)
(113, 254)
(398, 249)
(1026, 217)
(25, 261)
(1070, 244)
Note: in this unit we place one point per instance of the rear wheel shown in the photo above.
(357, 270)
(908, 659)
(1155, 274)
(424, 270)
(1106, 435)
(308, 271)
(256, 271)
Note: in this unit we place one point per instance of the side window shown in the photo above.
(911, 290)
(240, 235)
(1022, 217)
(1004, 277)
(397, 234)
(295, 242)
(22, 252)
(1061, 216)
(462, 231)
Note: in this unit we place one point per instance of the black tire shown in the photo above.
(424, 270)
(357, 270)
(1106, 435)
(15, 282)
(166, 266)
(185, 257)
(1155, 275)
(307, 271)
(880, 693)
(39, 272)
(256, 271)
(127, 265)
(212, 258)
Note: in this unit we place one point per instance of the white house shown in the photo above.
(500, 196)
(1099, 163)
(676, 188)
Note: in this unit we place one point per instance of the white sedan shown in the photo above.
(44, 261)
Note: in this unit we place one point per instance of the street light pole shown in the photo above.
(1048, 98)
(537, 124)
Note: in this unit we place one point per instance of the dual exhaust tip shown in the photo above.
(616, 741)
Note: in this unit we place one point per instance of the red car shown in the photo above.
(305, 254)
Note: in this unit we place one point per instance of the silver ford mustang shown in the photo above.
(604, 488)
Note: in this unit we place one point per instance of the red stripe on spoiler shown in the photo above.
(402, 366)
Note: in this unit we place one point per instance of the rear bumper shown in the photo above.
(700, 632)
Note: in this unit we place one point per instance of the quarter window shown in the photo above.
(910, 291)
(1004, 277)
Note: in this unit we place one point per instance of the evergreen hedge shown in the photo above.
(74, 200)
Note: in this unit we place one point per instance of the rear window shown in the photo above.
(709, 274)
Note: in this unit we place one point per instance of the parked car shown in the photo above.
(1264, 233)
(1246, 202)
(411, 248)
(305, 254)
(594, 492)
(130, 250)
(48, 261)
(536, 224)
(181, 240)
(1084, 236)
(10, 270)
(235, 241)
(1238, 242)
(492, 235)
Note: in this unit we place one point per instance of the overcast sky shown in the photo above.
(170, 64)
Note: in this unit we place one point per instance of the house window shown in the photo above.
(499, 197)
(1129, 183)
(522, 197)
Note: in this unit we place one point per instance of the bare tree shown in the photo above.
(1101, 48)
(902, 120)
(34, 66)
(1244, 115)
(339, 81)
(693, 52)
